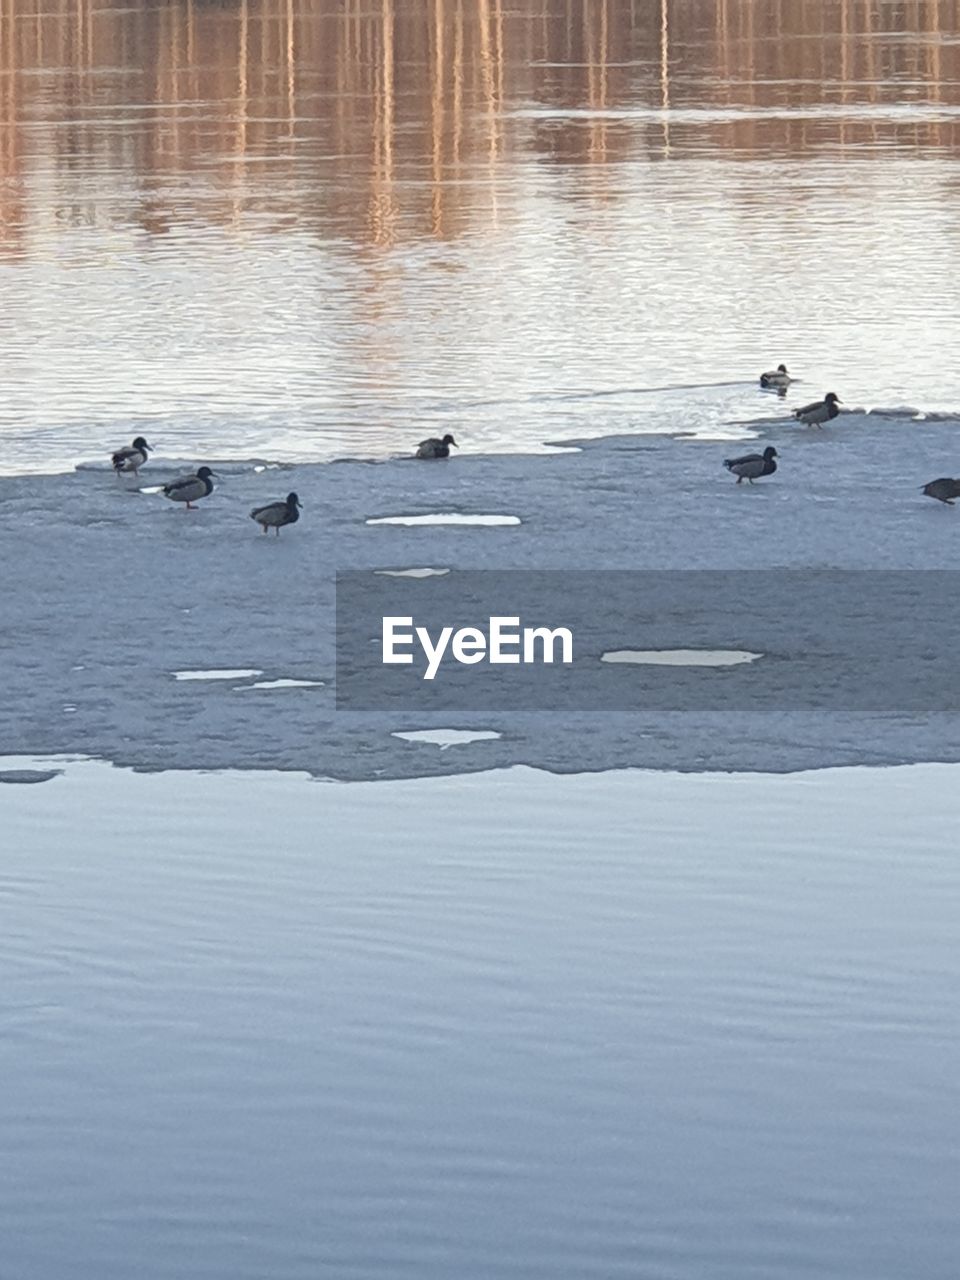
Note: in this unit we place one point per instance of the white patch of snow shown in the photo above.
(283, 684)
(411, 573)
(238, 674)
(681, 657)
(446, 517)
(444, 738)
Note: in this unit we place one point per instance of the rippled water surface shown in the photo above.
(504, 1026)
(298, 228)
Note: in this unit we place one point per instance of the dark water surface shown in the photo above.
(503, 1027)
(299, 228)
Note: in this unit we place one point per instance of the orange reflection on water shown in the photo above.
(384, 120)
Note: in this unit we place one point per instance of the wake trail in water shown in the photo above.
(564, 397)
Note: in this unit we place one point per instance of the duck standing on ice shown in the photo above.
(944, 490)
(190, 488)
(820, 411)
(131, 459)
(276, 514)
(776, 379)
(435, 448)
(753, 465)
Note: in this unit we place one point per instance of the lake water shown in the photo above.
(504, 1026)
(509, 1025)
(300, 229)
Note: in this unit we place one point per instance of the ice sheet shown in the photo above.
(107, 591)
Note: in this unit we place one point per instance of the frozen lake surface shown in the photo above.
(141, 631)
(505, 1026)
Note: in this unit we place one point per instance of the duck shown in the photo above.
(753, 465)
(820, 411)
(189, 489)
(944, 490)
(132, 458)
(435, 448)
(777, 378)
(276, 514)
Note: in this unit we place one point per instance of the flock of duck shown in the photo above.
(190, 489)
(752, 466)
(749, 466)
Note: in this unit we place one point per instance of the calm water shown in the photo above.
(261, 1027)
(300, 228)
(508, 1025)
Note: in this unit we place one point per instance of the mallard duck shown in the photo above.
(944, 490)
(777, 378)
(753, 465)
(820, 411)
(277, 514)
(190, 488)
(435, 448)
(132, 458)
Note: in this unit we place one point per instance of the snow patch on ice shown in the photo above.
(411, 573)
(446, 517)
(681, 657)
(283, 683)
(444, 738)
(240, 673)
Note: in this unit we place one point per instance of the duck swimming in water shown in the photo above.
(753, 465)
(820, 411)
(944, 490)
(776, 379)
(190, 488)
(276, 514)
(131, 459)
(435, 448)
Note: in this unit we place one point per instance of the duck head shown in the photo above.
(293, 500)
(770, 452)
(832, 398)
(450, 440)
(781, 368)
(142, 445)
(204, 473)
